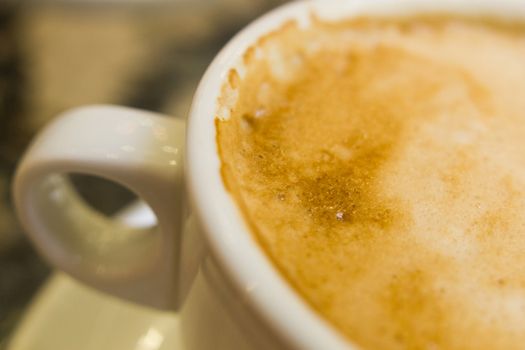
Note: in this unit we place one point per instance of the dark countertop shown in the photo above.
(61, 55)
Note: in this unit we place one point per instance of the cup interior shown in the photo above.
(230, 240)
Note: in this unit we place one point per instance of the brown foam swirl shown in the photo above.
(380, 164)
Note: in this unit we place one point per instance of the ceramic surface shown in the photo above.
(207, 261)
(68, 315)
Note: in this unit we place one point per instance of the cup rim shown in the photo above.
(229, 238)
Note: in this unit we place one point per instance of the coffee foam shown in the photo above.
(380, 164)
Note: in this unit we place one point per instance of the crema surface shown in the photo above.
(381, 165)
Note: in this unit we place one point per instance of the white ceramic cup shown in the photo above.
(201, 258)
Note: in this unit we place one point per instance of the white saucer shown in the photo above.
(66, 315)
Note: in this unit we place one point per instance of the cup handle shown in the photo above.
(139, 150)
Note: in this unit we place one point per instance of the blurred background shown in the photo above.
(55, 55)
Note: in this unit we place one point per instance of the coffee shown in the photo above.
(380, 163)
